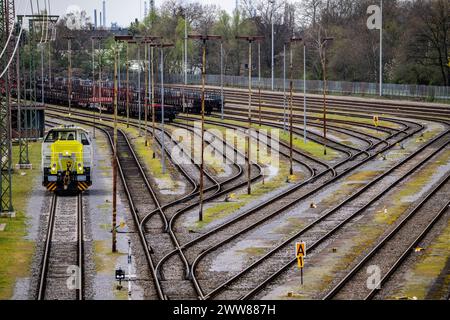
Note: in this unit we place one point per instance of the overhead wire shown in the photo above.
(17, 43)
(9, 38)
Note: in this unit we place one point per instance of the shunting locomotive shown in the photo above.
(67, 159)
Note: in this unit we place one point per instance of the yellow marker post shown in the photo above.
(376, 121)
(300, 253)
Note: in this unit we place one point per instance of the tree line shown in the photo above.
(416, 33)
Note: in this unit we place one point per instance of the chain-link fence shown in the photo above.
(419, 92)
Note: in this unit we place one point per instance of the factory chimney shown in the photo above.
(104, 13)
(101, 21)
(95, 18)
(152, 6)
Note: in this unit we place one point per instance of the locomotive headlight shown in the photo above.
(80, 168)
(54, 168)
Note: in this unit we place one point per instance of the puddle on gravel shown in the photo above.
(226, 173)
(170, 187)
(234, 260)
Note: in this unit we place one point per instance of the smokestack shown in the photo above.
(95, 18)
(104, 13)
(152, 6)
(101, 21)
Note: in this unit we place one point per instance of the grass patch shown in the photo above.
(16, 252)
(428, 269)
(105, 260)
(253, 251)
(292, 226)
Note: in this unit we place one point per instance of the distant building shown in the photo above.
(118, 30)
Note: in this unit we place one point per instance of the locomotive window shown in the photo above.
(84, 140)
(61, 135)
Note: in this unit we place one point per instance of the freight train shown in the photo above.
(87, 95)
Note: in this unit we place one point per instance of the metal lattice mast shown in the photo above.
(32, 83)
(6, 24)
(22, 116)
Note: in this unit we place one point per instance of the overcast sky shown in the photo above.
(120, 11)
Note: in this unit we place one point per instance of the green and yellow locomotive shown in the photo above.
(67, 160)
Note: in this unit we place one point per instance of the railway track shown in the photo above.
(317, 231)
(335, 105)
(144, 221)
(395, 247)
(407, 132)
(62, 268)
(226, 225)
(234, 234)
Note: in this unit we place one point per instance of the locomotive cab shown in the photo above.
(67, 160)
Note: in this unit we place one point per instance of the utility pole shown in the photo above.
(119, 82)
(50, 65)
(149, 40)
(128, 85)
(259, 83)
(69, 50)
(42, 75)
(304, 93)
(272, 2)
(163, 147)
(149, 91)
(23, 161)
(146, 93)
(291, 105)
(323, 43)
(221, 80)
(204, 39)
(152, 71)
(114, 215)
(100, 93)
(284, 88)
(381, 49)
(127, 40)
(139, 41)
(93, 83)
(185, 60)
(250, 40)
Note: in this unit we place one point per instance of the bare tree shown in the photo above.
(434, 38)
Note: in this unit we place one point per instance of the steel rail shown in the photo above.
(336, 289)
(408, 251)
(266, 281)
